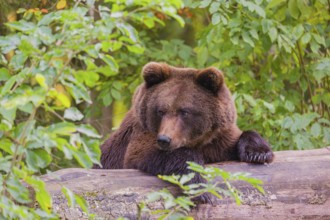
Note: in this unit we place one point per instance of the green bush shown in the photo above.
(275, 55)
(48, 67)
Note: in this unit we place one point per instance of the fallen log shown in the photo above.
(297, 186)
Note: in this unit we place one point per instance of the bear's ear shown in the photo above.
(210, 78)
(154, 73)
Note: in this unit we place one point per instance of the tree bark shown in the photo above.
(297, 186)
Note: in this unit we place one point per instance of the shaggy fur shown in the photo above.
(180, 115)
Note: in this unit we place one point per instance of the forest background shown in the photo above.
(68, 70)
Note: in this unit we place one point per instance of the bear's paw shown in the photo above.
(254, 149)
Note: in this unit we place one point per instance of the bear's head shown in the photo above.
(184, 107)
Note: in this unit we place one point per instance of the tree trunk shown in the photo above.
(297, 186)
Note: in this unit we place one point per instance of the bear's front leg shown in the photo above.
(253, 148)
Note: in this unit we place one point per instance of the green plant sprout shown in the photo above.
(217, 183)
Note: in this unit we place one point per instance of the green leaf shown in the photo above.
(37, 158)
(17, 190)
(289, 106)
(153, 196)
(287, 122)
(82, 158)
(202, 55)
(110, 61)
(319, 39)
(266, 25)
(90, 78)
(254, 34)
(326, 98)
(46, 19)
(172, 179)
(73, 114)
(214, 7)
(316, 99)
(275, 3)
(149, 22)
(45, 35)
(234, 40)
(9, 84)
(116, 45)
(316, 129)
(81, 202)
(115, 94)
(302, 142)
(314, 46)
(135, 49)
(298, 30)
(260, 11)
(216, 18)
(92, 149)
(79, 92)
(88, 130)
(205, 3)
(129, 31)
(293, 8)
(304, 9)
(6, 145)
(186, 178)
(250, 100)
(247, 38)
(306, 38)
(8, 114)
(5, 165)
(17, 62)
(184, 202)
(326, 134)
(62, 128)
(4, 74)
(41, 80)
(41, 194)
(269, 106)
(69, 195)
(302, 121)
(64, 99)
(106, 71)
(177, 18)
(107, 99)
(118, 85)
(273, 34)
(21, 25)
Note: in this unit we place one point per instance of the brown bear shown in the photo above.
(180, 115)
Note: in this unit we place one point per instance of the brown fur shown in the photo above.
(194, 111)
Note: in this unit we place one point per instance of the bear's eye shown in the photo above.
(160, 113)
(184, 112)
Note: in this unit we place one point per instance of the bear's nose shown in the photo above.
(163, 141)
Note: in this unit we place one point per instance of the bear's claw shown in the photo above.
(255, 157)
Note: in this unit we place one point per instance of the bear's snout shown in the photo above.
(163, 142)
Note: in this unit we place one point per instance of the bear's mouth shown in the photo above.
(171, 149)
(171, 146)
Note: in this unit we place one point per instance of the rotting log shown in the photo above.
(297, 186)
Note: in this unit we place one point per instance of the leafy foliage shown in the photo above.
(275, 56)
(218, 184)
(48, 67)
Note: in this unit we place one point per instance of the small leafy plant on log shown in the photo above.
(217, 183)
